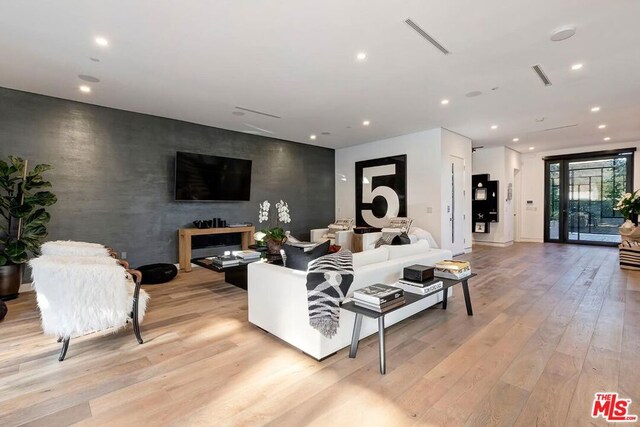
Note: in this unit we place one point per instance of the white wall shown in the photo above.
(500, 163)
(425, 153)
(532, 216)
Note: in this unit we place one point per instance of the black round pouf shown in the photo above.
(3, 310)
(154, 274)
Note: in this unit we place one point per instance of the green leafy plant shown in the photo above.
(628, 203)
(276, 234)
(23, 217)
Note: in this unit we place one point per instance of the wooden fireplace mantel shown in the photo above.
(185, 234)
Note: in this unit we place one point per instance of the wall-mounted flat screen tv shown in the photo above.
(210, 178)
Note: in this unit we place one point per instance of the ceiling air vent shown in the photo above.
(542, 75)
(559, 127)
(426, 36)
(258, 112)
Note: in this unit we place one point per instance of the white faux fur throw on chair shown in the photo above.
(78, 295)
(71, 248)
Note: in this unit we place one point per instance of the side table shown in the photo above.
(410, 298)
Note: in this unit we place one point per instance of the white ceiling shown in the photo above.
(197, 60)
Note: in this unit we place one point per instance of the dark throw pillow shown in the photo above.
(298, 259)
(401, 239)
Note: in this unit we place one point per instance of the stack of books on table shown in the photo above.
(420, 288)
(450, 269)
(247, 255)
(225, 260)
(379, 297)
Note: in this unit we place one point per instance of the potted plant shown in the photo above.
(23, 219)
(629, 206)
(275, 236)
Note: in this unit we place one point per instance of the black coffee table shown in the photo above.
(236, 274)
(410, 298)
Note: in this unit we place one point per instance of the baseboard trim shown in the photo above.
(495, 244)
(530, 240)
(25, 287)
(177, 264)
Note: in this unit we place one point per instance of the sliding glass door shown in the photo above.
(580, 194)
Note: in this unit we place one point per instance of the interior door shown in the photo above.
(457, 212)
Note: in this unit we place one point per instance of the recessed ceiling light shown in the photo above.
(444, 102)
(607, 138)
(361, 56)
(576, 66)
(366, 123)
(516, 139)
(101, 41)
(494, 127)
(532, 148)
(595, 109)
(602, 126)
(312, 137)
(85, 89)
(563, 33)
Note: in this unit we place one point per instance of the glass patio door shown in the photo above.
(580, 193)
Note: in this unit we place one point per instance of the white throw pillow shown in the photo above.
(402, 251)
(360, 259)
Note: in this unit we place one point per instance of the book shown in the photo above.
(453, 265)
(424, 284)
(452, 275)
(380, 309)
(378, 294)
(225, 260)
(246, 254)
(386, 304)
(420, 290)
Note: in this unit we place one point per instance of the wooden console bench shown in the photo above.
(185, 234)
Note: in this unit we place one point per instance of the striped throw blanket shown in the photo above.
(328, 280)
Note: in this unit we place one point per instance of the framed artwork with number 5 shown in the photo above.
(381, 190)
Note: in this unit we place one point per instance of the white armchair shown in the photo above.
(80, 295)
(339, 233)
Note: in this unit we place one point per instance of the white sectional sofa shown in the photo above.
(278, 296)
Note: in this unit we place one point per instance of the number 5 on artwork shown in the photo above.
(389, 194)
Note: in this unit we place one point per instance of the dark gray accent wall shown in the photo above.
(114, 173)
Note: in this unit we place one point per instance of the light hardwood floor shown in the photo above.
(553, 324)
